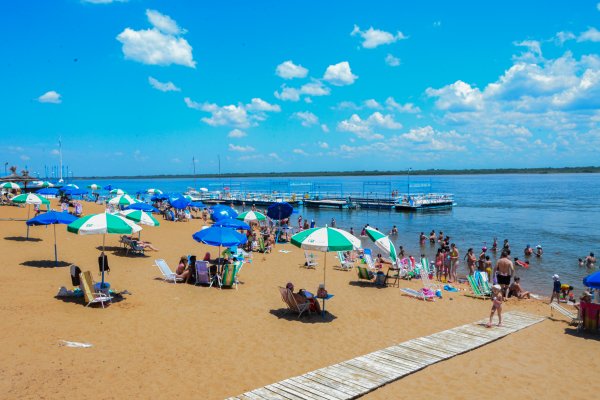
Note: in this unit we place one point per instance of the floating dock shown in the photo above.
(327, 203)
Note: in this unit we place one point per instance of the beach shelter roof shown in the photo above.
(593, 280)
(73, 191)
(179, 203)
(232, 223)
(45, 184)
(52, 218)
(383, 242)
(197, 204)
(94, 186)
(154, 191)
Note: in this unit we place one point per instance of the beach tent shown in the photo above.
(30, 198)
(52, 218)
(383, 242)
(103, 224)
(593, 280)
(326, 240)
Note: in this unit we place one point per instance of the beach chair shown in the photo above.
(229, 276)
(482, 281)
(365, 274)
(427, 283)
(91, 297)
(575, 319)
(134, 248)
(345, 264)
(288, 298)
(418, 294)
(125, 241)
(203, 276)
(393, 275)
(475, 289)
(311, 261)
(166, 272)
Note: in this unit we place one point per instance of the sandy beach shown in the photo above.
(181, 341)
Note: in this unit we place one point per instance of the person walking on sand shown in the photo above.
(504, 270)
(556, 287)
(496, 305)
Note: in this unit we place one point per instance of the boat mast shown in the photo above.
(60, 160)
(194, 164)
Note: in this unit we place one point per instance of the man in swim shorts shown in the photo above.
(504, 270)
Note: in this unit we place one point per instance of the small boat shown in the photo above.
(424, 201)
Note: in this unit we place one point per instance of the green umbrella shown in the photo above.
(140, 217)
(46, 184)
(325, 239)
(251, 216)
(10, 185)
(123, 200)
(30, 198)
(93, 186)
(154, 191)
(102, 224)
(118, 192)
(383, 242)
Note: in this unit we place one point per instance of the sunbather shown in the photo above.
(144, 245)
(302, 296)
(516, 290)
(183, 271)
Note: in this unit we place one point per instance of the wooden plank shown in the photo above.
(365, 379)
(277, 389)
(329, 392)
(409, 358)
(408, 365)
(349, 390)
(426, 350)
(414, 352)
(350, 384)
(373, 375)
(267, 394)
(427, 346)
(343, 376)
(308, 391)
(369, 365)
(398, 368)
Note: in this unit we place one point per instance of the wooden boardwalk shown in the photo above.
(358, 376)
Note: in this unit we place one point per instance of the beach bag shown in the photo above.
(75, 271)
(106, 267)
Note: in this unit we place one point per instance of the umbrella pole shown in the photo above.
(55, 253)
(324, 267)
(28, 210)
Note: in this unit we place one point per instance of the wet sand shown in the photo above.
(167, 341)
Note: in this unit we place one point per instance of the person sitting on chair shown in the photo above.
(144, 245)
(183, 272)
(304, 295)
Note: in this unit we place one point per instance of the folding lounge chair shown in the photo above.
(168, 275)
(311, 261)
(418, 294)
(369, 259)
(481, 279)
(345, 264)
(87, 285)
(229, 277)
(203, 273)
(427, 283)
(574, 318)
(365, 274)
(475, 288)
(135, 248)
(293, 306)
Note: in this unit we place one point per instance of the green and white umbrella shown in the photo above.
(93, 186)
(72, 186)
(383, 242)
(154, 191)
(140, 217)
(30, 198)
(10, 185)
(46, 184)
(118, 192)
(252, 216)
(188, 197)
(123, 200)
(325, 239)
(102, 224)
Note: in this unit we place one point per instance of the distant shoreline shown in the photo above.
(499, 171)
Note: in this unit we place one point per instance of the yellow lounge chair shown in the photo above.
(87, 285)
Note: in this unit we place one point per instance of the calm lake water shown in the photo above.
(559, 211)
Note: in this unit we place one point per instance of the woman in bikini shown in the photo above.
(471, 261)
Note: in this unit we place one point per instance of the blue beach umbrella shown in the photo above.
(47, 191)
(74, 191)
(108, 187)
(279, 211)
(142, 207)
(52, 218)
(197, 204)
(159, 197)
(219, 236)
(232, 223)
(179, 203)
(220, 211)
(593, 280)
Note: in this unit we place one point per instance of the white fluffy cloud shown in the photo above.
(306, 118)
(456, 97)
(236, 133)
(409, 108)
(323, 145)
(591, 35)
(241, 149)
(314, 88)
(160, 45)
(563, 36)
(289, 70)
(392, 61)
(50, 97)
(363, 128)
(163, 86)
(324, 128)
(340, 74)
(299, 151)
(374, 37)
(236, 116)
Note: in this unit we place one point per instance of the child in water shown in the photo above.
(496, 305)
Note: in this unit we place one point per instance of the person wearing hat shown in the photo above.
(528, 250)
(556, 289)
(538, 250)
(496, 305)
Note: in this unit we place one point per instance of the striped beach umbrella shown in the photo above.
(123, 200)
(325, 239)
(383, 242)
(252, 216)
(30, 198)
(72, 186)
(154, 191)
(93, 186)
(46, 184)
(118, 192)
(140, 217)
(103, 224)
(10, 185)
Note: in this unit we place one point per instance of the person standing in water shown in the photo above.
(590, 261)
(504, 270)
(471, 261)
(422, 239)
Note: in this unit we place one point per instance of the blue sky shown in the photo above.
(141, 87)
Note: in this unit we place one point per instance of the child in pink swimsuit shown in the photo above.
(496, 305)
